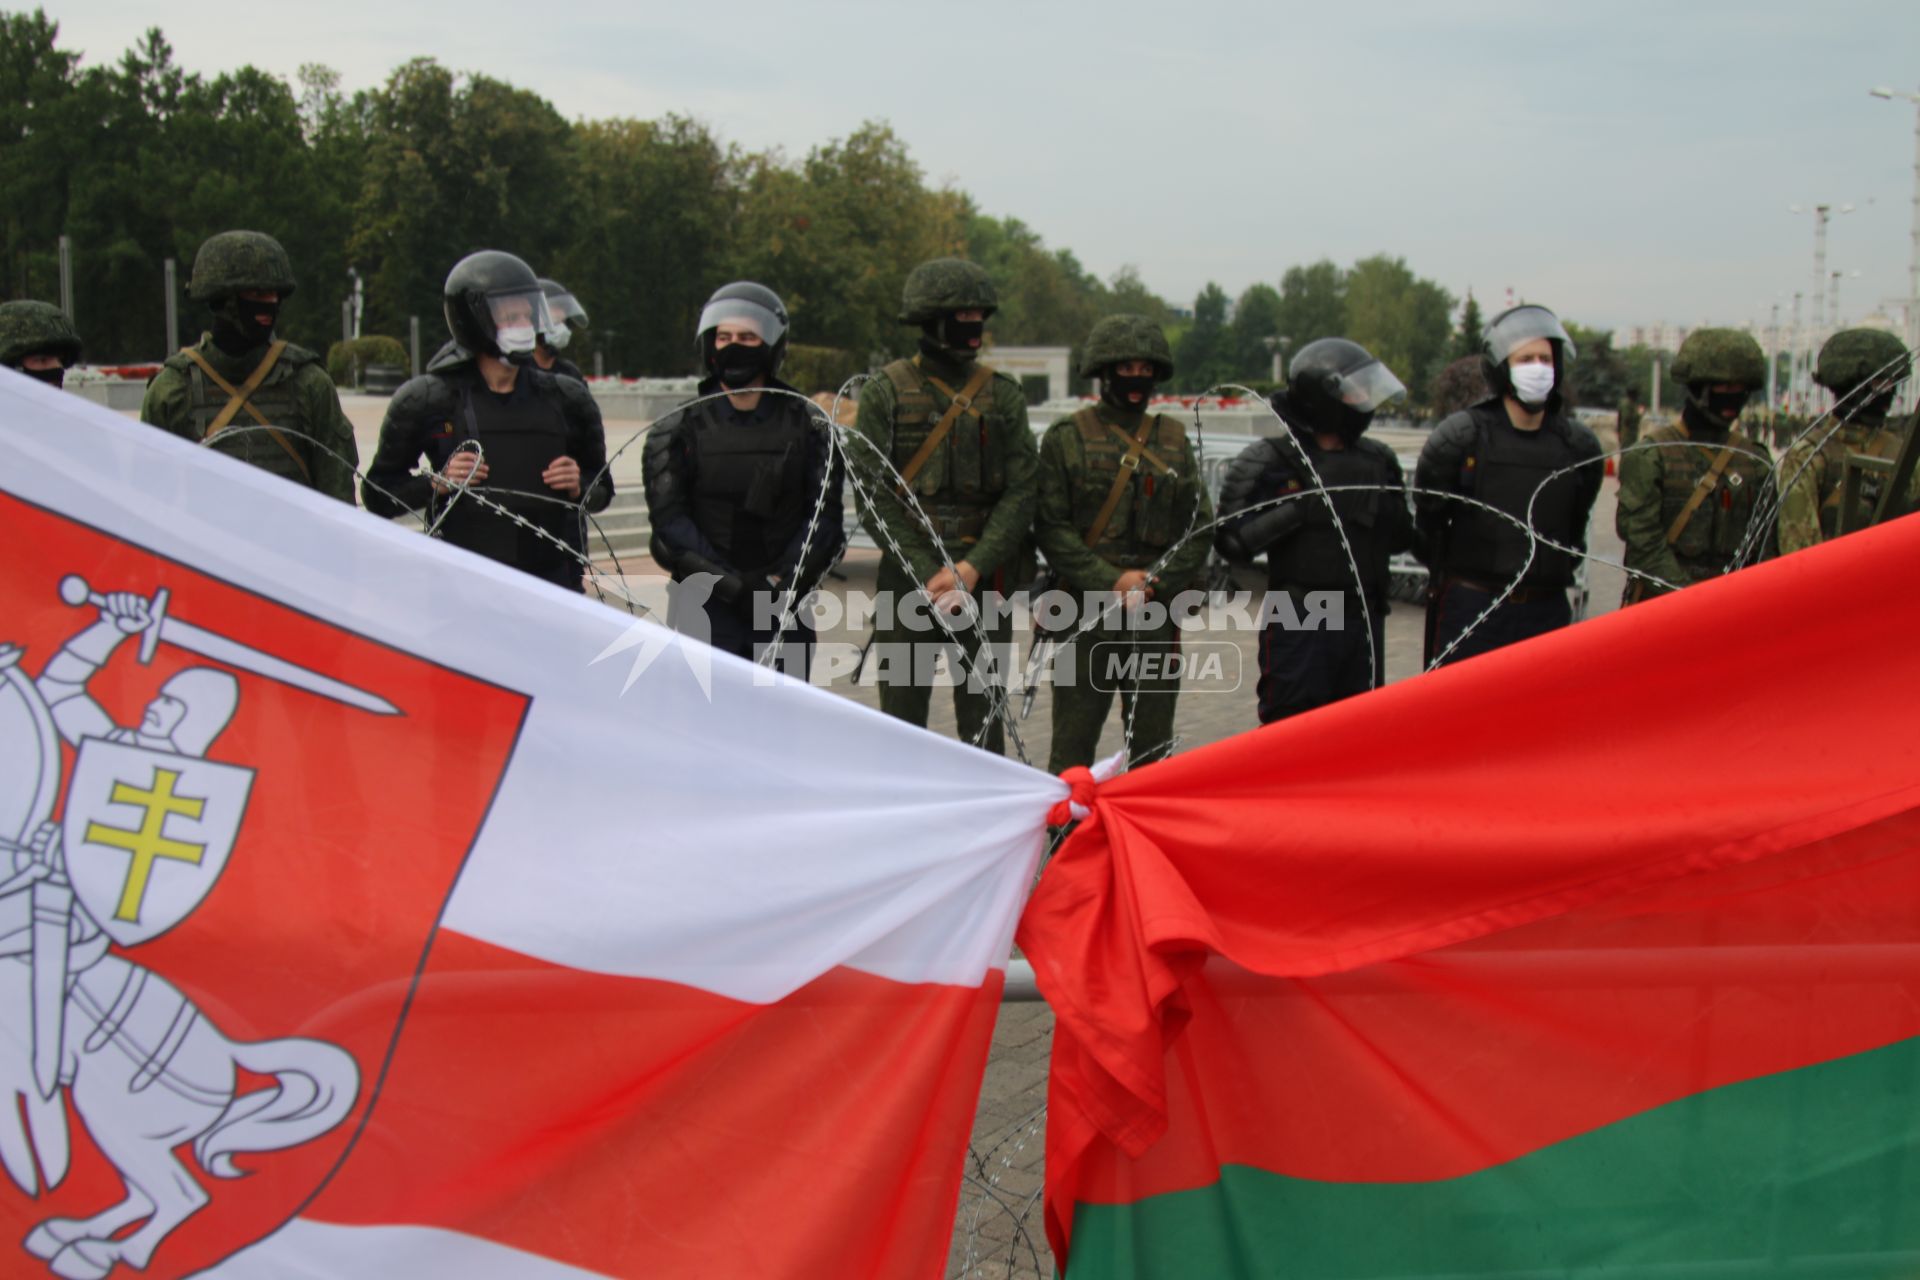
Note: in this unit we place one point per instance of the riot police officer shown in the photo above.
(734, 484)
(526, 440)
(1689, 492)
(244, 392)
(955, 433)
(1864, 369)
(37, 339)
(1334, 388)
(566, 319)
(1521, 453)
(1119, 488)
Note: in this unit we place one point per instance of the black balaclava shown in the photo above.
(1115, 387)
(736, 365)
(1871, 412)
(235, 331)
(1712, 413)
(953, 339)
(54, 377)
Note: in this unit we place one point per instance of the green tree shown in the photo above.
(653, 205)
(1472, 332)
(454, 166)
(1313, 303)
(1598, 376)
(1204, 357)
(1257, 318)
(38, 149)
(1046, 297)
(837, 236)
(1404, 320)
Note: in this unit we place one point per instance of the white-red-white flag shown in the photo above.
(505, 968)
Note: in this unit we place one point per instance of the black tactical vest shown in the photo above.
(520, 434)
(1504, 470)
(750, 492)
(1313, 557)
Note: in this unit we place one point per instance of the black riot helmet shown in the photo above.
(744, 302)
(494, 304)
(1337, 386)
(564, 311)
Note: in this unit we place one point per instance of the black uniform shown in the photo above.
(1305, 668)
(732, 494)
(1473, 553)
(520, 433)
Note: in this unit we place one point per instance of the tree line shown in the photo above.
(138, 161)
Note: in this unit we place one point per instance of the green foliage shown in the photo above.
(1601, 376)
(813, 369)
(838, 235)
(1256, 322)
(653, 207)
(1405, 321)
(139, 161)
(1205, 352)
(345, 358)
(1472, 329)
(1313, 303)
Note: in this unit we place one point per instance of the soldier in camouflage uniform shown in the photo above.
(957, 433)
(1864, 369)
(241, 390)
(1120, 486)
(37, 339)
(1689, 492)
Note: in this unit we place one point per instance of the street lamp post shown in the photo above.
(1822, 213)
(1833, 300)
(1913, 263)
(1278, 345)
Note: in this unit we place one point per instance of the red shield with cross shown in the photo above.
(238, 915)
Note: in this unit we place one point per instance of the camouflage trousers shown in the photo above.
(1100, 663)
(907, 657)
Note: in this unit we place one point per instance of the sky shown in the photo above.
(1627, 163)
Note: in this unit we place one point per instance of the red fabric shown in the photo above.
(1758, 715)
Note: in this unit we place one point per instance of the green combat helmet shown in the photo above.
(236, 260)
(33, 329)
(1852, 356)
(1720, 355)
(1118, 339)
(945, 285)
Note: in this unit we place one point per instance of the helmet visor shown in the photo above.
(567, 315)
(742, 311)
(1522, 325)
(519, 317)
(1369, 387)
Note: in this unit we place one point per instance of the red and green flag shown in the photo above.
(1595, 956)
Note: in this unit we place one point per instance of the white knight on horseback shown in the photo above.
(146, 828)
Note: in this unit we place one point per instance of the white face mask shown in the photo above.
(515, 338)
(1532, 382)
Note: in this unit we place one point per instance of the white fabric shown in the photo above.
(723, 832)
(306, 1250)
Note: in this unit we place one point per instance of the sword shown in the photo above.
(183, 634)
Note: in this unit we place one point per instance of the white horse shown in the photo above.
(149, 1072)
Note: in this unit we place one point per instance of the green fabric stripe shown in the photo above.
(1811, 1173)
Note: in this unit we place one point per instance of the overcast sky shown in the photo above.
(1625, 163)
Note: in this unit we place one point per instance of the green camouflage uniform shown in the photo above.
(976, 488)
(314, 443)
(297, 396)
(1814, 480)
(1813, 473)
(1080, 459)
(1656, 482)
